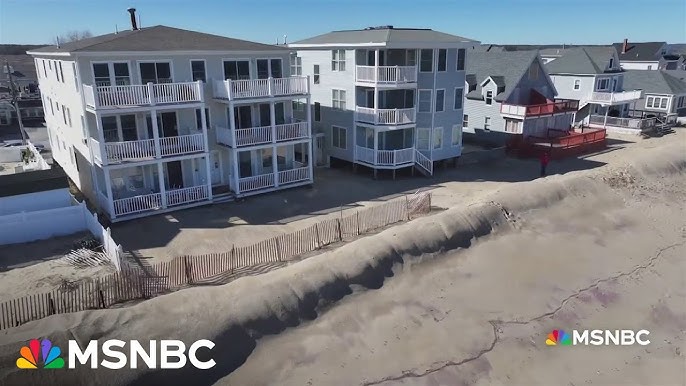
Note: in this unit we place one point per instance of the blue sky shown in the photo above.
(491, 21)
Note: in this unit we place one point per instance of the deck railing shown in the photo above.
(629, 123)
(187, 195)
(253, 136)
(291, 131)
(294, 175)
(385, 116)
(182, 144)
(260, 135)
(142, 95)
(605, 97)
(130, 150)
(385, 157)
(143, 149)
(137, 204)
(424, 161)
(386, 74)
(556, 107)
(259, 88)
(262, 181)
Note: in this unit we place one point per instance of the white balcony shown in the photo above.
(154, 201)
(291, 176)
(386, 75)
(262, 135)
(260, 88)
(187, 195)
(117, 97)
(144, 149)
(389, 158)
(300, 173)
(614, 98)
(137, 204)
(385, 116)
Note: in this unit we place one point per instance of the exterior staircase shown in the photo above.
(423, 163)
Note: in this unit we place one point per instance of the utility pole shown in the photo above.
(15, 103)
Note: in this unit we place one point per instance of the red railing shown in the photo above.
(559, 106)
(559, 143)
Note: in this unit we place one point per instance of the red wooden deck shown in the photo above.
(559, 143)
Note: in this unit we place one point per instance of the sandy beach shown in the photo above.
(463, 297)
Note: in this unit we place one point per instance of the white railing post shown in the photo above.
(200, 86)
(163, 190)
(229, 92)
(155, 133)
(151, 93)
(308, 84)
(232, 125)
(270, 86)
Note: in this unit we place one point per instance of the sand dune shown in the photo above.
(461, 297)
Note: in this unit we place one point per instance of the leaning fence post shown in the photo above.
(316, 231)
(52, 304)
(357, 215)
(278, 248)
(340, 233)
(407, 207)
(233, 257)
(187, 268)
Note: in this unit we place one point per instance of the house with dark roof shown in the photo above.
(642, 56)
(156, 119)
(593, 76)
(509, 94)
(663, 94)
(387, 98)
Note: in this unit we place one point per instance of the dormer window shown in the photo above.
(489, 97)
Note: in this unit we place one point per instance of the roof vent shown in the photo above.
(379, 27)
(132, 12)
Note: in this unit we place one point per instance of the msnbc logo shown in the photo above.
(49, 353)
(558, 337)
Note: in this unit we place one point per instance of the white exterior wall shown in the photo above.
(653, 65)
(564, 84)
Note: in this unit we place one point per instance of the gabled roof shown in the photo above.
(654, 82)
(158, 38)
(639, 52)
(505, 68)
(581, 60)
(382, 36)
(679, 74)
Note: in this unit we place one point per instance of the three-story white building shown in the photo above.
(157, 119)
(385, 97)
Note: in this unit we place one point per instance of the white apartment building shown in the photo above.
(385, 97)
(158, 119)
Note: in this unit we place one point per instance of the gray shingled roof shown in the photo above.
(654, 82)
(383, 36)
(506, 68)
(639, 52)
(158, 38)
(582, 60)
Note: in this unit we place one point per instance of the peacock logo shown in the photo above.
(50, 355)
(558, 337)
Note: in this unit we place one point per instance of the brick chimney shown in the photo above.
(625, 46)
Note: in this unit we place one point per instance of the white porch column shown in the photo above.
(376, 69)
(311, 137)
(275, 167)
(272, 120)
(376, 105)
(232, 124)
(203, 118)
(163, 189)
(108, 189)
(101, 138)
(376, 144)
(208, 171)
(234, 166)
(607, 110)
(155, 133)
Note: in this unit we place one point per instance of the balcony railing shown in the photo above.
(557, 107)
(187, 195)
(294, 175)
(145, 148)
(137, 204)
(104, 97)
(609, 98)
(262, 181)
(261, 135)
(628, 123)
(385, 157)
(386, 75)
(259, 88)
(385, 116)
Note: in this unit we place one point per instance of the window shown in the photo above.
(489, 97)
(339, 137)
(663, 104)
(52, 108)
(198, 119)
(57, 72)
(69, 116)
(64, 114)
(61, 72)
(296, 65)
(487, 124)
(577, 84)
(603, 84)
(76, 78)
(426, 61)
(411, 57)
(424, 101)
(298, 106)
(465, 120)
(612, 62)
(315, 71)
(423, 139)
(533, 71)
(438, 137)
(442, 60)
(50, 64)
(649, 102)
(317, 112)
(269, 68)
(236, 69)
(512, 126)
(650, 67)
(440, 100)
(45, 71)
(198, 70)
(338, 99)
(456, 136)
(657, 102)
(338, 60)
(459, 96)
(460, 59)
